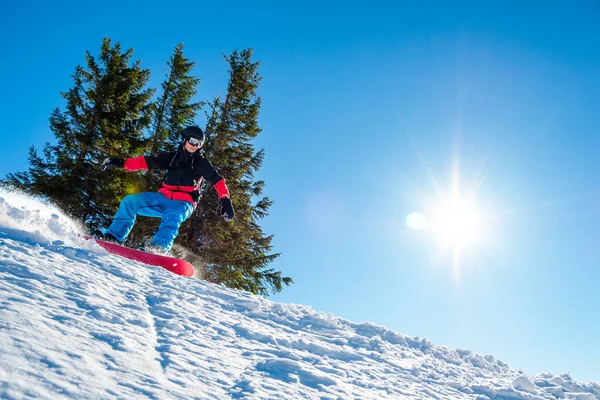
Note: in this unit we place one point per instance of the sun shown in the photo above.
(454, 220)
(457, 223)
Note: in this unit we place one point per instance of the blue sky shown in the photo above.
(370, 112)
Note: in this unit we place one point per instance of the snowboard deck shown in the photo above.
(175, 265)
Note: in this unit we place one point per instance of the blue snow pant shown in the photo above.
(151, 204)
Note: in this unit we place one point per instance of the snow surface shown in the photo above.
(77, 322)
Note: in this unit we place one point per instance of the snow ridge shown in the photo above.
(77, 322)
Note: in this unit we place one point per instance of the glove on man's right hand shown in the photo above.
(112, 163)
(227, 209)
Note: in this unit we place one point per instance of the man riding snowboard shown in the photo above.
(176, 200)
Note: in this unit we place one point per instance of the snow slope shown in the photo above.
(76, 322)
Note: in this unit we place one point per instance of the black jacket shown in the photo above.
(185, 172)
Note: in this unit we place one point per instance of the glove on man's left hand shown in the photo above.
(112, 163)
(227, 209)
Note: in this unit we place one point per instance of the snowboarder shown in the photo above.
(176, 200)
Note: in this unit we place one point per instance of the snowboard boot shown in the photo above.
(107, 237)
(154, 249)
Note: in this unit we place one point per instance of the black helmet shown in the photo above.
(195, 132)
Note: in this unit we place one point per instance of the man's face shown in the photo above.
(192, 144)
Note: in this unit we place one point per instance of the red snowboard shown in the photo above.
(175, 265)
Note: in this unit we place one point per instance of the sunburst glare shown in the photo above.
(455, 220)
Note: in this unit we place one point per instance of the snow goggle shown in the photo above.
(194, 142)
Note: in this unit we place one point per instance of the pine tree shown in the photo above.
(174, 109)
(106, 112)
(171, 112)
(236, 254)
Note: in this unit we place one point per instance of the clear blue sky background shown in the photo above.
(366, 108)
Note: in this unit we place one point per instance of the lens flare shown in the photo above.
(416, 221)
